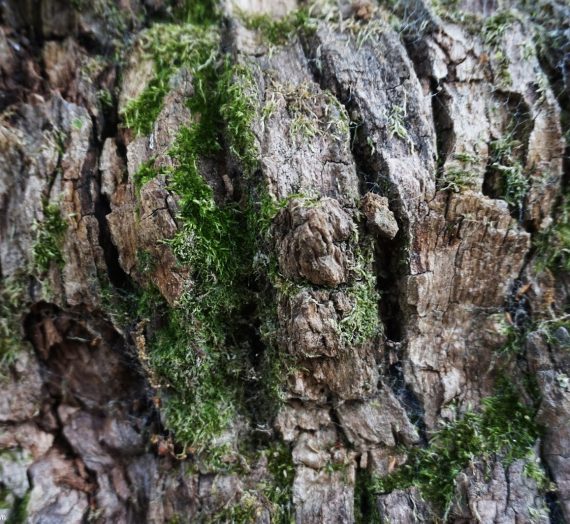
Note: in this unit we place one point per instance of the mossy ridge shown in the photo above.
(363, 322)
(197, 353)
(238, 96)
(365, 506)
(171, 47)
(504, 429)
(46, 251)
(279, 31)
(190, 352)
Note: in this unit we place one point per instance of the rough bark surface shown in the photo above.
(403, 177)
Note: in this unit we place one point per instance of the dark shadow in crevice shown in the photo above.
(117, 276)
(86, 365)
(408, 399)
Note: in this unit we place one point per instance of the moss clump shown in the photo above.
(49, 238)
(274, 493)
(196, 353)
(247, 509)
(504, 429)
(191, 352)
(495, 27)
(458, 174)
(199, 403)
(457, 179)
(304, 21)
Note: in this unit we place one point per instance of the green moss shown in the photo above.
(493, 31)
(12, 303)
(516, 336)
(145, 173)
(49, 238)
(553, 245)
(278, 31)
(363, 321)
(504, 429)
(170, 47)
(396, 123)
(19, 512)
(457, 172)
(196, 354)
(6, 498)
(279, 491)
(244, 511)
(238, 108)
(533, 470)
(304, 21)
(457, 179)
(200, 12)
(496, 26)
(365, 506)
(508, 172)
(312, 111)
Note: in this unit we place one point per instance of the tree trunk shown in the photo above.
(268, 262)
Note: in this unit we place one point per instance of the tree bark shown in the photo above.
(273, 262)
